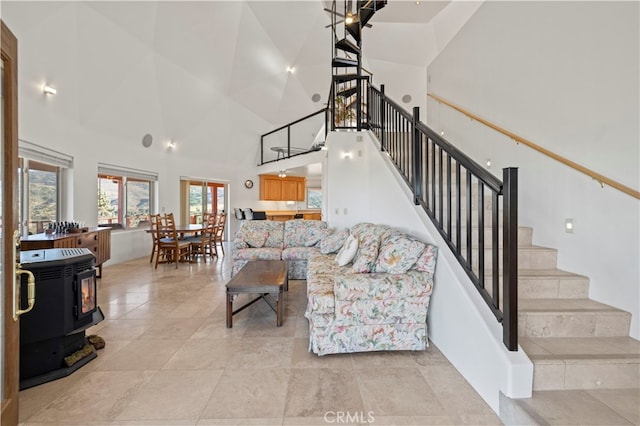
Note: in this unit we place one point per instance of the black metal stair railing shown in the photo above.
(474, 211)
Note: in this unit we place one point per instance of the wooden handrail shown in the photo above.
(603, 180)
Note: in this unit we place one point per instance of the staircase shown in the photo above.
(574, 342)
(348, 90)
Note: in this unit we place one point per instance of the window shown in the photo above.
(200, 197)
(41, 173)
(314, 198)
(43, 196)
(125, 196)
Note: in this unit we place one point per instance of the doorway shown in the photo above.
(9, 327)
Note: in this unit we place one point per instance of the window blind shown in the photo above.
(112, 170)
(39, 153)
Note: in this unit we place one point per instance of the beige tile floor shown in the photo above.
(170, 360)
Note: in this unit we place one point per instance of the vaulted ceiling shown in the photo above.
(188, 69)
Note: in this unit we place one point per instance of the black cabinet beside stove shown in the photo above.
(66, 305)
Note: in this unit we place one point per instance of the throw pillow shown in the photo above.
(256, 239)
(348, 251)
(314, 237)
(333, 242)
(370, 237)
(248, 214)
(367, 254)
(427, 262)
(397, 255)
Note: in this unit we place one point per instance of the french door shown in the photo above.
(9, 327)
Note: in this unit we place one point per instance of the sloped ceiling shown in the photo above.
(186, 70)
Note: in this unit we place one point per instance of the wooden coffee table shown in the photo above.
(263, 277)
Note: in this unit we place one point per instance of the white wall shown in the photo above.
(460, 323)
(565, 76)
(114, 85)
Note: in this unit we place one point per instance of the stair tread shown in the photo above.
(543, 273)
(565, 306)
(580, 348)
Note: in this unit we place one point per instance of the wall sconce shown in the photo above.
(488, 163)
(291, 70)
(282, 174)
(347, 155)
(568, 226)
(171, 145)
(49, 90)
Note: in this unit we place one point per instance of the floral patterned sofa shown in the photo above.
(375, 299)
(293, 240)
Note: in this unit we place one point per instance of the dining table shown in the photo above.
(186, 229)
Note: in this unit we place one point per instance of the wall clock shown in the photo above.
(248, 183)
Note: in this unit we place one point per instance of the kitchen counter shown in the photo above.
(290, 214)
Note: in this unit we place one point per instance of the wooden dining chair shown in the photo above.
(221, 220)
(154, 219)
(201, 245)
(170, 248)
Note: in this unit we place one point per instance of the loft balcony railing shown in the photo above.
(301, 136)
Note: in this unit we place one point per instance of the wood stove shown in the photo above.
(66, 305)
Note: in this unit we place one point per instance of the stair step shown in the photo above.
(525, 236)
(340, 78)
(354, 30)
(583, 362)
(365, 15)
(344, 62)
(547, 284)
(529, 257)
(347, 46)
(551, 283)
(570, 318)
(347, 92)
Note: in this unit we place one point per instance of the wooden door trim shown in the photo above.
(9, 408)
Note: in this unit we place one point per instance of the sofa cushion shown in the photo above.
(298, 253)
(348, 251)
(427, 261)
(303, 233)
(333, 242)
(264, 253)
(274, 229)
(369, 236)
(398, 254)
(256, 239)
(320, 298)
(322, 264)
(382, 311)
(381, 285)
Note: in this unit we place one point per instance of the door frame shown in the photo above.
(9, 407)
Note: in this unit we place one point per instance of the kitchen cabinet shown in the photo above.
(290, 188)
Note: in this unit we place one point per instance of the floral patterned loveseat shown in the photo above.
(292, 240)
(375, 301)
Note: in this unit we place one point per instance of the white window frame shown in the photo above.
(29, 151)
(126, 173)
